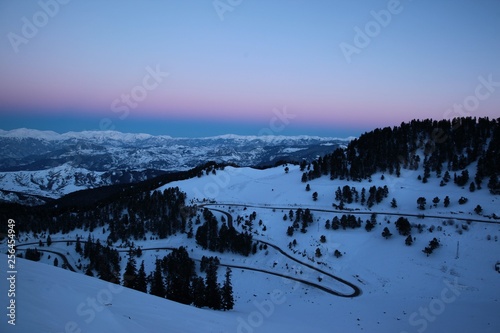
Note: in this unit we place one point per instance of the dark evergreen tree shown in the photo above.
(462, 179)
(446, 201)
(409, 240)
(433, 244)
(199, 292)
(32, 254)
(227, 292)
(157, 286)
(403, 226)
(141, 281)
(180, 272)
(386, 233)
(78, 246)
(363, 196)
(130, 274)
(394, 204)
(88, 272)
(494, 184)
(369, 225)
(421, 203)
(213, 294)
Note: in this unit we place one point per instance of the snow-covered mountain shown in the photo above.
(49, 164)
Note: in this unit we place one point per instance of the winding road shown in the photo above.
(355, 293)
(356, 290)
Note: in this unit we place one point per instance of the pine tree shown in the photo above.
(56, 262)
(49, 240)
(409, 240)
(87, 248)
(88, 272)
(493, 184)
(78, 246)
(180, 272)
(130, 274)
(157, 286)
(212, 294)
(386, 233)
(199, 290)
(403, 226)
(421, 203)
(141, 282)
(394, 204)
(227, 292)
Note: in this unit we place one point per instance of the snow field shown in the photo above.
(403, 290)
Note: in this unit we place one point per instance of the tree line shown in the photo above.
(446, 146)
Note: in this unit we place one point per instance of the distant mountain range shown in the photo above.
(48, 164)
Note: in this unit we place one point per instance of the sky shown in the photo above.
(283, 67)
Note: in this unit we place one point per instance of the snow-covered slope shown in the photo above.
(50, 299)
(403, 290)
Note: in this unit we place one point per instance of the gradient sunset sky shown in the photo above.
(239, 66)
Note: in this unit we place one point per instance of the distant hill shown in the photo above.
(48, 164)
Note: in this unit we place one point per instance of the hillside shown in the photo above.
(51, 299)
(396, 280)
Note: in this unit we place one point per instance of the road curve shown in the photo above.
(356, 290)
(63, 256)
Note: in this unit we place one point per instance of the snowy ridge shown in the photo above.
(31, 160)
(23, 133)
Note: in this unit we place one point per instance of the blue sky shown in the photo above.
(198, 68)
